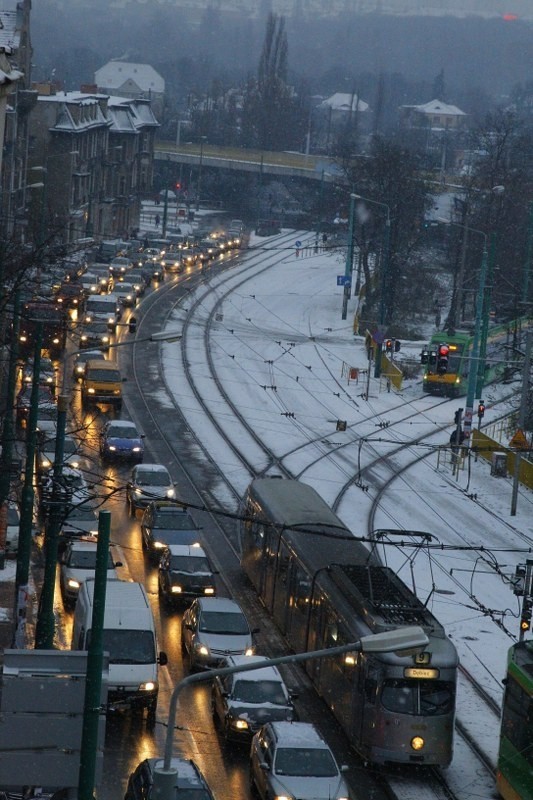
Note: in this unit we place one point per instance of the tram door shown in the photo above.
(365, 704)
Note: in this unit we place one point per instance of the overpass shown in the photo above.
(262, 162)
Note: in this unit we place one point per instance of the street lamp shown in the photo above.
(393, 641)
(348, 269)
(199, 187)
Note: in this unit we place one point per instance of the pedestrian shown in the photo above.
(157, 220)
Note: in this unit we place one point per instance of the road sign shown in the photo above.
(519, 441)
(343, 280)
(298, 244)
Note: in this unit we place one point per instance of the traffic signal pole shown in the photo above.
(348, 269)
(474, 355)
(521, 420)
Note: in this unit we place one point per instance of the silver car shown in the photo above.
(291, 759)
(148, 482)
(214, 628)
(78, 562)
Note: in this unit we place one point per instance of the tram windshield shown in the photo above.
(420, 698)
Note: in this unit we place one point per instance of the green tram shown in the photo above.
(514, 775)
(454, 380)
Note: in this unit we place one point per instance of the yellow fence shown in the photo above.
(487, 446)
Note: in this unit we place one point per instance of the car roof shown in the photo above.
(86, 355)
(298, 734)
(223, 604)
(147, 467)
(187, 771)
(121, 423)
(193, 550)
(263, 674)
(84, 544)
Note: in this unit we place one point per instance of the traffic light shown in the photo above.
(442, 362)
(458, 415)
(397, 345)
(178, 186)
(388, 345)
(424, 356)
(481, 409)
(525, 619)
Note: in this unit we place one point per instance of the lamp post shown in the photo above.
(199, 187)
(409, 638)
(348, 268)
(383, 281)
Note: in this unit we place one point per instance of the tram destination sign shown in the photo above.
(421, 672)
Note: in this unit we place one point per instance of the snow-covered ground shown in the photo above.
(284, 327)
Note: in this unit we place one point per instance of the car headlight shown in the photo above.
(149, 686)
(112, 447)
(90, 390)
(138, 491)
(79, 370)
(110, 320)
(159, 545)
(249, 651)
(136, 449)
(239, 724)
(283, 797)
(105, 338)
(23, 338)
(116, 391)
(45, 463)
(201, 649)
(177, 590)
(170, 492)
(74, 464)
(55, 340)
(209, 590)
(84, 337)
(73, 584)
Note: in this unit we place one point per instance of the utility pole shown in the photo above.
(95, 659)
(6, 458)
(44, 636)
(521, 419)
(28, 496)
(382, 301)
(474, 355)
(487, 301)
(348, 269)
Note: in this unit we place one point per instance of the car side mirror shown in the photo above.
(163, 659)
(264, 766)
(294, 695)
(344, 768)
(143, 436)
(256, 630)
(118, 564)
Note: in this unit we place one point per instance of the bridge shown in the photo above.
(262, 162)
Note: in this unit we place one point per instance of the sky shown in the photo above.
(282, 327)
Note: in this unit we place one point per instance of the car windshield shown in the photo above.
(152, 478)
(79, 513)
(173, 520)
(122, 432)
(86, 559)
(189, 564)
(106, 375)
(259, 692)
(127, 646)
(13, 516)
(224, 622)
(305, 761)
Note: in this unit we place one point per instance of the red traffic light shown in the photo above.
(443, 350)
(388, 345)
(480, 409)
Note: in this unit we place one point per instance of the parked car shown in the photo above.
(12, 529)
(241, 703)
(47, 373)
(185, 573)
(78, 562)
(189, 783)
(164, 524)
(212, 629)
(148, 482)
(291, 759)
(81, 359)
(24, 400)
(121, 439)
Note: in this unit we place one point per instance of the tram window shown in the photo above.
(332, 633)
(301, 589)
(517, 723)
(427, 698)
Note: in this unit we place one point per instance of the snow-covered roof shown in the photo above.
(345, 101)
(117, 73)
(438, 107)
(67, 119)
(130, 114)
(9, 31)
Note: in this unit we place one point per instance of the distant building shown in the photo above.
(125, 79)
(435, 115)
(341, 111)
(95, 154)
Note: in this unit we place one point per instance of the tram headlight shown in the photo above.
(417, 743)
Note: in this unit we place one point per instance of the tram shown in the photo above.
(454, 381)
(514, 775)
(323, 588)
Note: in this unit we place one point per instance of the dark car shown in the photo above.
(95, 334)
(244, 701)
(185, 573)
(24, 401)
(120, 439)
(165, 523)
(189, 784)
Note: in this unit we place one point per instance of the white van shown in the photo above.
(130, 639)
(103, 307)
